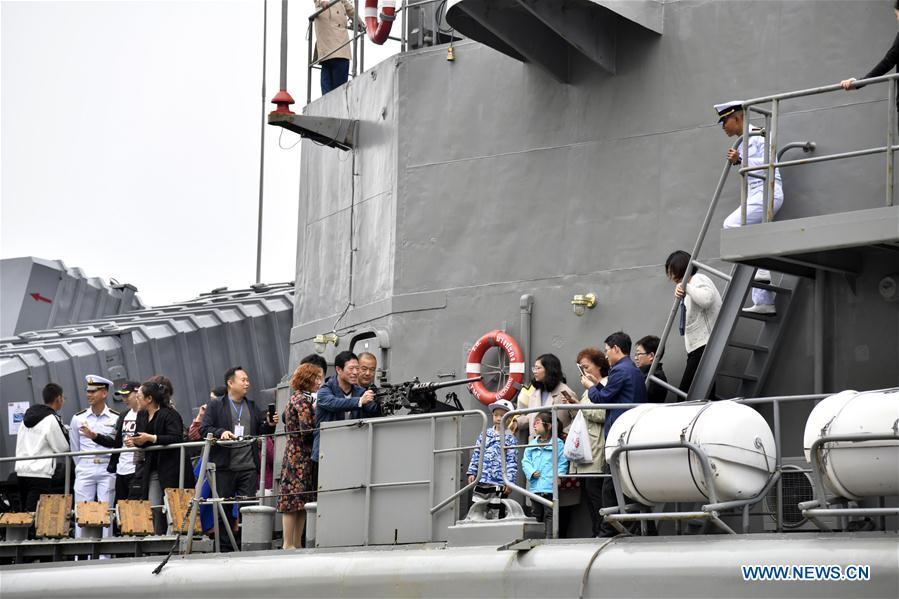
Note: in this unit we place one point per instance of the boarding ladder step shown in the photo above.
(743, 375)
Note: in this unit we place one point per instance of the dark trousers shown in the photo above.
(545, 514)
(335, 72)
(593, 490)
(31, 488)
(123, 486)
(234, 483)
(693, 359)
(609, 500)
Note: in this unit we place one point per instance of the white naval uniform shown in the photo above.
(92, 481)
(755, 202)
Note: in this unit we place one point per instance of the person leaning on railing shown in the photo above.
(331, 42)
(160, 424)
(299, 474)
(42, 432)
(889, 61)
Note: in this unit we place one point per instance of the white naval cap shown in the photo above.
(726, 109)
(94, 382)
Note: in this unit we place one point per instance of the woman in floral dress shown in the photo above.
(299, 474)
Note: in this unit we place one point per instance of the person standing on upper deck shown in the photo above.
(730, 115)
(889, 61)
(332, 42)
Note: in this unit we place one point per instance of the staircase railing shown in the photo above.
(766, 171)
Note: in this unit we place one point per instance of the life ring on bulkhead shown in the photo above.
(507, 343)
(378, 25)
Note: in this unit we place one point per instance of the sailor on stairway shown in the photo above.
(92, 480)
(730, 115)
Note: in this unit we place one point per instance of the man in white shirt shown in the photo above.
(42, 433)
(730, 115)
(92, 481)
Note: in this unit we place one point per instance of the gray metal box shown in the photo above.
(384, 496)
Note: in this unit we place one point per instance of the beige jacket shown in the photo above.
(703, 302)
(529, 397)
(596, 420)
(331, 31)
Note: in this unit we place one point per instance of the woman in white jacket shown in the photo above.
(702, 302)
(42, 432)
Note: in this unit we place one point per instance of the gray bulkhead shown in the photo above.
(484, 179)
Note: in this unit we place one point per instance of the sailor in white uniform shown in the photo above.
(92, 481)
(730, 115)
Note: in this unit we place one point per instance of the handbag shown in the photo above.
(577, 445)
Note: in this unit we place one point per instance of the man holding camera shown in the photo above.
(342, 397)
(229, 418)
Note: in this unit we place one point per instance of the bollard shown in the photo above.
(257, 522)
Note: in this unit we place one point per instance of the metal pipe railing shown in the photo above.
(771, 140)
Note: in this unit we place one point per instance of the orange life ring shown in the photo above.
(507, 343)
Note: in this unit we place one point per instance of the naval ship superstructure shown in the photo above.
(565, 150)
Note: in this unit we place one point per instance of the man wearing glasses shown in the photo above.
(644, 352)
(92, 480)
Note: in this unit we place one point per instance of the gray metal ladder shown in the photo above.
(743, 354)
(728, 344)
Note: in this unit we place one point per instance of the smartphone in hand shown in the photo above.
(581, 368)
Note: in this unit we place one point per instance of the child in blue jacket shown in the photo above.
(537, 466)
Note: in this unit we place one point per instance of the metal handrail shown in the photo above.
(703, 230)
(554, 438)
(358, 50)
(772, 116)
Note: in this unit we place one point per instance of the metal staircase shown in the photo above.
(741, 348)
(738, 356)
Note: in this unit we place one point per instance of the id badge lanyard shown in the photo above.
(238, 427)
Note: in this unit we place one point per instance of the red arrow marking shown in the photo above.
(40, 298)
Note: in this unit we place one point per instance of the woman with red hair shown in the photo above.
(299, 474)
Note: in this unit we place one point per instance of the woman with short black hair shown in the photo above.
(160, 424)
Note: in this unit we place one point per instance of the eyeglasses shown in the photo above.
(640, 353)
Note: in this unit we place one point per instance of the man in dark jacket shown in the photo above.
(625, 385)
(42, 432)
(644, 353)
(229, 418)
(341, 398)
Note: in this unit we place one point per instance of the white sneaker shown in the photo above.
(765, 309)
(762, 276)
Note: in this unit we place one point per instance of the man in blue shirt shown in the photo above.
(341, 397)
(625, 385)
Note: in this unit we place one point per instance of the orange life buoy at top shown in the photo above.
(507, 343)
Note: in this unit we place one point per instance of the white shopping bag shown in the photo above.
(577, 445)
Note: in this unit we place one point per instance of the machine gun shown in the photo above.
(417, 397)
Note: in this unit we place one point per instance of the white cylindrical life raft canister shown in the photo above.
(857, 469)
(736, 438)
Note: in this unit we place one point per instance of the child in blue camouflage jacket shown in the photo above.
(491, 481)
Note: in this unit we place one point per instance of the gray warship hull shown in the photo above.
(484, 193)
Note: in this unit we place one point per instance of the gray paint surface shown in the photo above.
(493, 180)
(627, 567)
